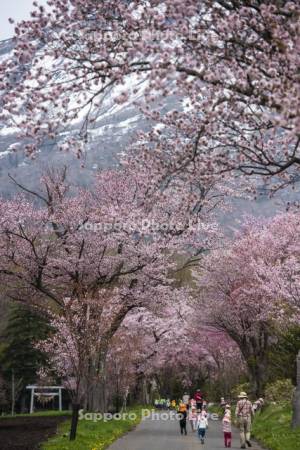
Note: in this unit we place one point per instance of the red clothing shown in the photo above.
(227, 439)
(198, 397)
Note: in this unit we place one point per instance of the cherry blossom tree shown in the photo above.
(251, 288)
(91, 257)
(280, 272)
(157, 350)
(140, 346)
(225, 364)
(233, 63)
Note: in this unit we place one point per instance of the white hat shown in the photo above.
(243, 395)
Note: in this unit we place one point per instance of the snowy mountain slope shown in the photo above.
(115, 127)
(113, 130)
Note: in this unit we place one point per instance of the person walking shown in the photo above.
(182, 410)
(202, 424)
(257, 406)
(244, 412)
(192, 403)
(222, 403)
(192, 417)
(227, 427)
(186, 399)
(198, 398)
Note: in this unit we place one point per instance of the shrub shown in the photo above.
(240, 388)
(280, 390)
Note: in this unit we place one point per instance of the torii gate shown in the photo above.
(38, 390)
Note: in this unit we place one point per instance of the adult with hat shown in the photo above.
(244, 414)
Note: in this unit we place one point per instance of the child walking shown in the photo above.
(193, 418)
(182, 418)
(227, 426)
(202, 424)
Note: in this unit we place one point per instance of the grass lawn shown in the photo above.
(216, 409)
(272, 428)
(92, 435)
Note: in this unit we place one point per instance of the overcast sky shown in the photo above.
(18, 10)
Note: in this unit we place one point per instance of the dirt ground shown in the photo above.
(27, 433)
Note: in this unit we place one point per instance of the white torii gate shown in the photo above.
(39, 390)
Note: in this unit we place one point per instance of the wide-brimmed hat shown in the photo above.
(243, 395)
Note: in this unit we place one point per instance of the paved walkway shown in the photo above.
(161, 435)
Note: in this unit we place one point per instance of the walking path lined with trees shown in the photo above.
(150, 435)
(272, 427)
(137, 289)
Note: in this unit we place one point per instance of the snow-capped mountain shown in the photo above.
(115, 127)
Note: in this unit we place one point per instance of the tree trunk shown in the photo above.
(97, 399)
(296, 398)
(296, 408)
(23, 404)
(74, 423)
(96, 385)
(255, 351)
(258, 377)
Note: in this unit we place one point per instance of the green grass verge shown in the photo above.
(272, 428)
(216, 409)
(92, 435)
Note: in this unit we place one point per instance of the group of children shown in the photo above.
(163, 403)
(199, 422)
(197, 418)
(195, 412)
